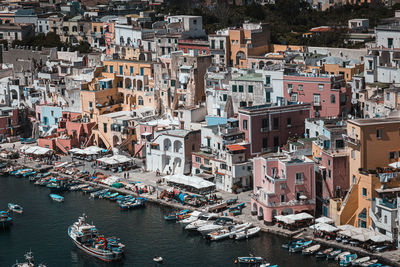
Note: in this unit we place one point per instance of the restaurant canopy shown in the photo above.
(362, 234)
(292, 218)
(115, 160)
(324, 220)
(191, 181)
(324, 227)
(91, 150)
(38, 151)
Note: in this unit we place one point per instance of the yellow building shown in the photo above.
(347, 70)
(373, 144)
(116, 89)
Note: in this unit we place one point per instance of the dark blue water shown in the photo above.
(42, 228)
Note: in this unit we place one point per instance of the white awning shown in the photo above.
(37, 150)
(324, 227)
(324, 220)
(116, 159)
(192, 181)
(378, 238)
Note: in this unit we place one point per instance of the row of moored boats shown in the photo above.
(211, 226)
(344, 258)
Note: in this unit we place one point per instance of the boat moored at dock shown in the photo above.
(5, 219)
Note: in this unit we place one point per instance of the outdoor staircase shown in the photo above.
(346, 199)
(61, 147)
(89, 140)
(327, 187)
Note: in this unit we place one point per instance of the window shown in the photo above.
(245, 124)
(268, 97)
(283, 186)
(329, 173)
(198, 159)
(131, 70)
(224, 97)
(353, 154)
(240, 88)
(388, 96)
(317, 99)
(289, 86)
(289, 122)
(194, 21)
(104, 127)
(300, 87)
(121, 70)
(250, 88)
(95, 29)
(367, 107)
(111, 69)
(293, 97)
(391, 155)
(90, 104)
(329, 162)
(364, 192)
(385, 219)
(276, 123)
(333, 99)
(299, 178)
(221, 44)
(234, 88)
(379, 133)
(264, 123)
(390, 42)
(265, 143)
(172, 82)
(212, 44)
(320, 87)
(105, 68)
(52, 113)
(283, 198)
(267, 80)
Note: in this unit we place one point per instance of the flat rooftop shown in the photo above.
(373, 121)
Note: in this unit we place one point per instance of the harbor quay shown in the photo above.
(156, 186)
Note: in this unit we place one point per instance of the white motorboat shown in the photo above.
(310, 250)
(342, 255)
(368, 263)
(193, 217)
(228, 231)
(217, 225)
(247, 233)
(360, 261)
(202, 220)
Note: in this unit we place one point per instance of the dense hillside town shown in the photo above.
(291, 128)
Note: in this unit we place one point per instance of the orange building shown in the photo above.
(372, 145)
(250, 40)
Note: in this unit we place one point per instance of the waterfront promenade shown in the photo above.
(150, 179)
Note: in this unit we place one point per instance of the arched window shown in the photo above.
(74, 28)
(121, 40)
(333, 99)
(261, 65)
(140, 101)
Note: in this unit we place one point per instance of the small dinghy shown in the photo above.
(15, 208)
(158, 259)
(249, 260)
(57, 198)
(342, 255)
(310, 250)
(324, 253)
(333, 254)
(247, 233)
(360, 261)
(348, 259)
(369, 263)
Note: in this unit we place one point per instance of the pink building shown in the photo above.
(266, 128)
(328, 94)
(72, 131)
(282, 185)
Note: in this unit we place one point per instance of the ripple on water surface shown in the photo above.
(43, 229)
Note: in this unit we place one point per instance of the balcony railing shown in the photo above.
(263, 130)
(351, 141)
(385, 203)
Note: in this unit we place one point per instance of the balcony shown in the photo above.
(387, 204)
(264, 130)
(316, 104)
(352, 142)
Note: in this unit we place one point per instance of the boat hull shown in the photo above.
(109, 257)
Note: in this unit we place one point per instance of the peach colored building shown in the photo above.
(282, 185)
(250, 40)
(372, 145)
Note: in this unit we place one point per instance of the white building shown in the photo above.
(43, 25)
(385, 213)
(170, 152)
